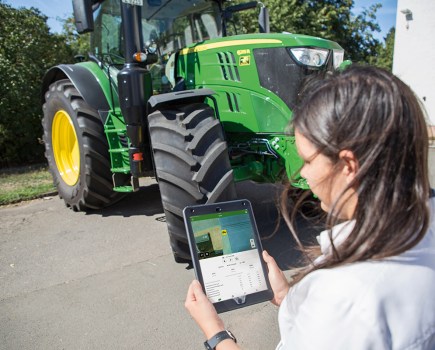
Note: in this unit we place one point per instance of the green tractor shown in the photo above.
(168, 92)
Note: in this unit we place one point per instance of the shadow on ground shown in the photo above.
(146, 201)
(276, 237)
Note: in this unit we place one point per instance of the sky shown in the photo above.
(62, 9)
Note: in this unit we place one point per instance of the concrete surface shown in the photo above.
(107, 279)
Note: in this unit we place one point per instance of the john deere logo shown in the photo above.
(245, 60)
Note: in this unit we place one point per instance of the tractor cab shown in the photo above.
(161, 29)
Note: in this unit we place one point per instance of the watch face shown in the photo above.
(232, 336)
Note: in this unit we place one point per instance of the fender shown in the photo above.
(84, 81)
(178, 97)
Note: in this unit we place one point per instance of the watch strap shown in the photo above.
(217, 338)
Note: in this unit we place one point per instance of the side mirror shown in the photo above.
(83, 16)
(263, 20)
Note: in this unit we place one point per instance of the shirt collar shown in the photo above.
(339, 234)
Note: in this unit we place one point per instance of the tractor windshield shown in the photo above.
(170, 26)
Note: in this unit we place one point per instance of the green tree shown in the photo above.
(79, 44)
(385, 52)
(27, 51)
(328, 19)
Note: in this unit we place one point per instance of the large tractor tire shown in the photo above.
(192, 165)
(76, 149)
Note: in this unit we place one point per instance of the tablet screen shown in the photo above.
(228, 254)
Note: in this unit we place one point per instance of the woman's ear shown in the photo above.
(350, 165)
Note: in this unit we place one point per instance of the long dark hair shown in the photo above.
(375, 115)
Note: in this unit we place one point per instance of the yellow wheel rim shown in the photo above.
(66, 148)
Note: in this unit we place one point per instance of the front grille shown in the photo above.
(279, 73)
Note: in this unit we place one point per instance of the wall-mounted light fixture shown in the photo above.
(408, 16)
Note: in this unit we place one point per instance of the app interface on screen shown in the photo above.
(228, 255)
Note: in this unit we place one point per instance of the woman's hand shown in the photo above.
(205, 315)
(202, 310)
(278, 281)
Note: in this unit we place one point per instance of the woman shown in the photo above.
(370, 284)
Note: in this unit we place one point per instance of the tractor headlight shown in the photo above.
(338, 58)
(310, 57)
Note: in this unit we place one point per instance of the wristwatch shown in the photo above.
(217, 338)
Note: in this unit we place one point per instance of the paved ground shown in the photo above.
(107, 279)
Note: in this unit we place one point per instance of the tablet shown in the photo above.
(226, 254)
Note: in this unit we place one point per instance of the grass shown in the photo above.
(24, 183)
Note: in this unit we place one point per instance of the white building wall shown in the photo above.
(414, 50)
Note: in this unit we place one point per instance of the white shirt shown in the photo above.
(388, 304)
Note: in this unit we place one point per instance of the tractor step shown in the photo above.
(120, 186)
(122, 170)
(125, 189)
(115, 131)
(118, 150)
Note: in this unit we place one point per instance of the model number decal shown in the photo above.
(243, 52)
(133, 2)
